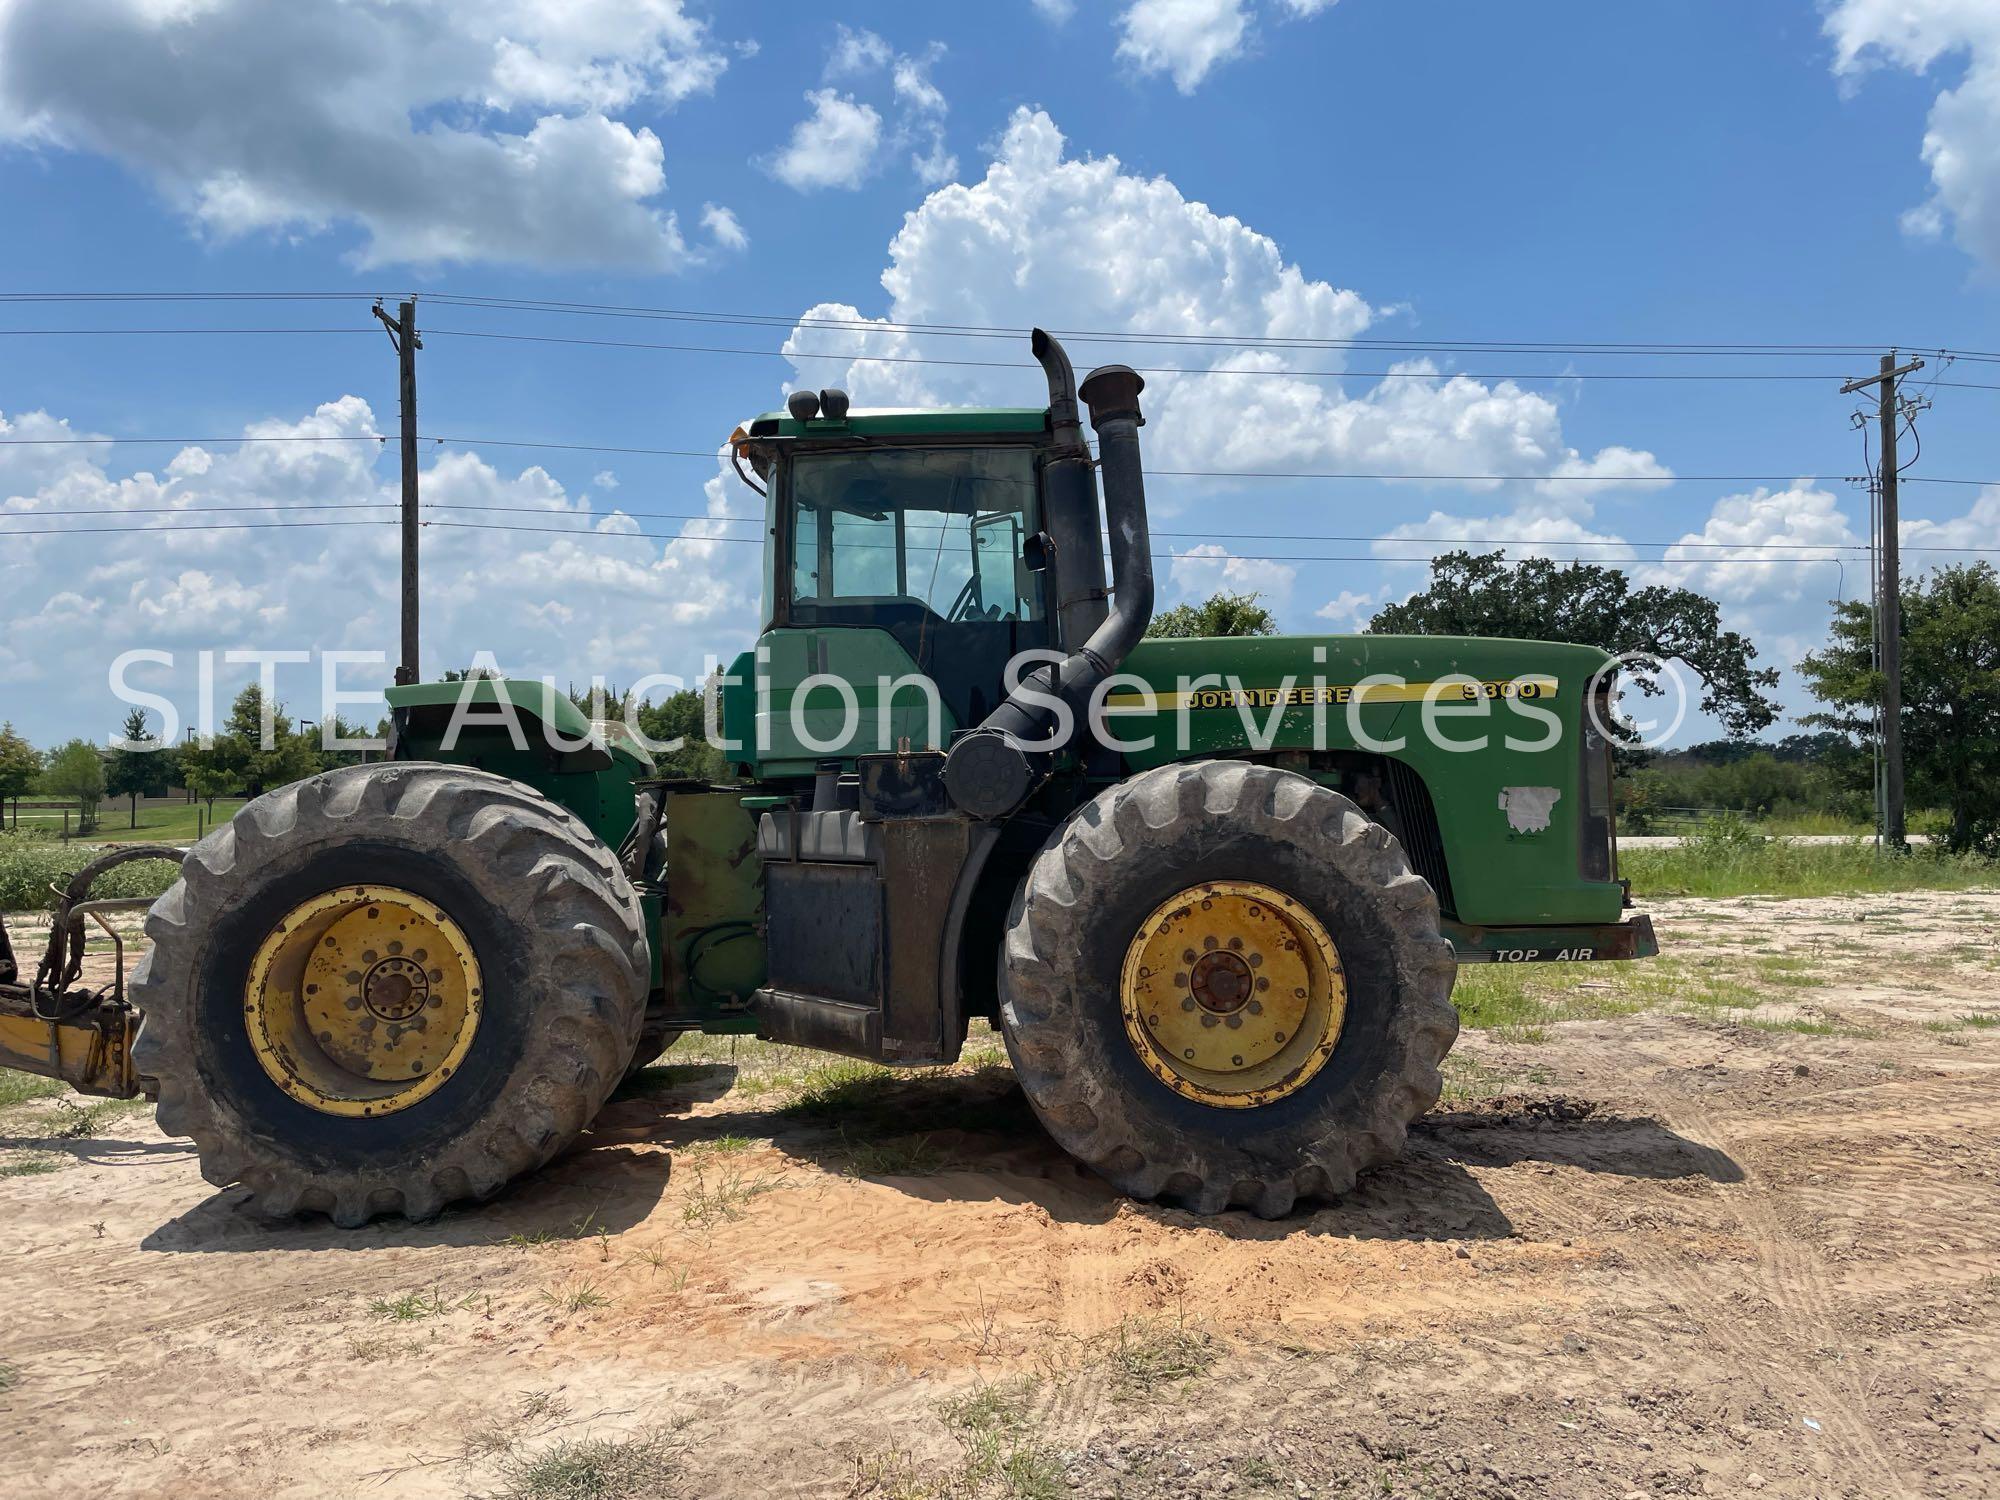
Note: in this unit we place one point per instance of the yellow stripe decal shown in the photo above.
(1448, 690)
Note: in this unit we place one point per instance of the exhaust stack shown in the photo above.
(993, 769)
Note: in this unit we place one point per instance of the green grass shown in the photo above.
(904, 1156)
(1803, 1026)
(30, 1164)
(1981, 1019)
(998, 1427)
(30, 866)
(166, 822)
(21, 1088)
(70, 1121)
(1749, 867)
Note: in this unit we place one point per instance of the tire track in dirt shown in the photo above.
(1787, 1273)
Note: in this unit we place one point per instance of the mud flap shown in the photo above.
(1548, 945)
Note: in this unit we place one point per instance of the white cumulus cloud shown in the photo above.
(178, 586)
(1182, 38)
(1961, 144)
(833, 147)
(723, 227)
(1061, 241)
(445, 130)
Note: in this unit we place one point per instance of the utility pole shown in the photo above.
(403, 334)
(1889, 591)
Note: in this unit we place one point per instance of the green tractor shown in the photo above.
(1212, 893)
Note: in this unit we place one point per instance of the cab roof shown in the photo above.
(894, 421)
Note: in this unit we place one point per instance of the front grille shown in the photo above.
(1422, 840)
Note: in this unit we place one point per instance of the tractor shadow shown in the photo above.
(601, 1185)
(972, 1137)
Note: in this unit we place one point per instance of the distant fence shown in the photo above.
(1672, 819)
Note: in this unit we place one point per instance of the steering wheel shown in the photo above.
(964, 606)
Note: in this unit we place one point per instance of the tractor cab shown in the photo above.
(925, 549)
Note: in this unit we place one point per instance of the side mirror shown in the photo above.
(1038, 551)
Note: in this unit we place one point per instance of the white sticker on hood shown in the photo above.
(1529, 808)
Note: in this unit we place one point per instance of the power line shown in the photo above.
(213, 526)
(122, 332)
(78, 442)
(192, 510)
(1009, 364)
(976, 330)
(1773, 477)
(690, 516)
(1209, 536)
(1220, 557)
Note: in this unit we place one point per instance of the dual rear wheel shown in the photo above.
(1252, 1037)
(390, 987)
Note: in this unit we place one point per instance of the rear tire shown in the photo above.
(1095, 889)
(552, 923)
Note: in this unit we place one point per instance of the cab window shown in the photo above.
(938, 529)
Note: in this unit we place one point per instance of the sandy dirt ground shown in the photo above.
(1693, 1250)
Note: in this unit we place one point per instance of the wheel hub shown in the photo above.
(362, 1000)
(1233, 993)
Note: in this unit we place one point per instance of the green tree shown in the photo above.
(1220, 614)
(1951, 694)
(139, 767)
(20, 766)
(680, 716)
(205, 781)
(238, 760)
(1539, 599)
(76, 770)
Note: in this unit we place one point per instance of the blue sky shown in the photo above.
(1780, 172)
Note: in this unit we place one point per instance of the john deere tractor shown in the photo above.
(1212, 893)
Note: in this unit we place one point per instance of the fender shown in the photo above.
(531, 733)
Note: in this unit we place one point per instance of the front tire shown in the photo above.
(1155, 870)
(389, 987)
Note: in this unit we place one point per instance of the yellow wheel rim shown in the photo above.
(1233, 994)
(362, 1000)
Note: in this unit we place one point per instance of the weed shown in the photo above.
(412, 1307)
(997, 1426)
(1803, 1025)
(9, 1377)
(1258, 1473)
(708, 1204)
(30, 1164)
(1147, 1352)
(575, 1297)
(1981, 1019)
(839, 1089)
(531, 1239)
(908, 1156)
(19, 1088)
(72, 1121)
(639, 1467)
(721, 1145)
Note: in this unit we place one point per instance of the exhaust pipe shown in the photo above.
(994, 769)
(1069, 505)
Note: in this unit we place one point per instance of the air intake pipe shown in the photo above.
(993, 770)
